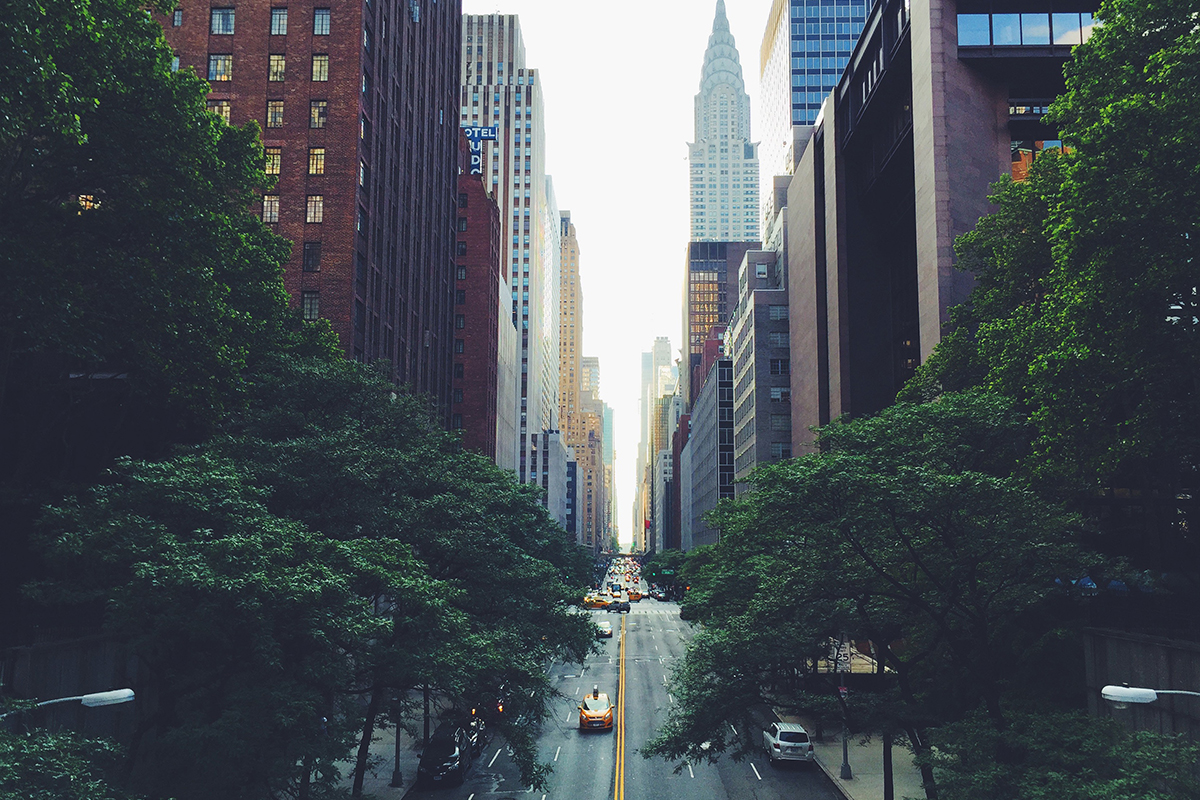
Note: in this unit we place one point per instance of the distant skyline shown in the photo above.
(618, 87)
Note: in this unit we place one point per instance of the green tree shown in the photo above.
(45, 765)
(907, 530)
(139, 287)
(1060, 756)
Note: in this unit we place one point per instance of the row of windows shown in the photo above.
(220, 67)
(314, 208)
(316, 161)
(318, 112)
(222, 21)
(1024, 29)
(827, 8)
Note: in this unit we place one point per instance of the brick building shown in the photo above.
(357, 103)
(479, 298)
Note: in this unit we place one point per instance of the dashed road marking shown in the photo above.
(733, 729)
(493, 761)
(755, 771)
(693, 774)
(556, 752)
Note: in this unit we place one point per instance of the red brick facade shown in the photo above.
(383, 163)
(478, 287)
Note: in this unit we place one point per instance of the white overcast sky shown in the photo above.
(618, 80)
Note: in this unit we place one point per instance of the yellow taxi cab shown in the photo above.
(595, 601)
(596, 711)
(634, 596)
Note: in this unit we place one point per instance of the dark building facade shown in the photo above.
(710, 291)
(478, 295)
(940, 99)
(358, 105)
(711, 445)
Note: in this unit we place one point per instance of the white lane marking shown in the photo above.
(577, 688)
(690, 771)
(669, 697)
(471, 796)
(755, 771)
(493, 761)
(568, 719)
(531, 691)
(733, 729)
(543, 797)
(556, 752)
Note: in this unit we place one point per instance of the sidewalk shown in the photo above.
(866, 765)
(383, 761)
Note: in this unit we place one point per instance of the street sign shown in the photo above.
(843, 691)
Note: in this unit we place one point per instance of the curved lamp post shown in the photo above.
(1124, 696)
(95, 700)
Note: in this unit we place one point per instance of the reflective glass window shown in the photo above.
(1006, 29)
(1035, 29)
(1067, 29)
(974, 29)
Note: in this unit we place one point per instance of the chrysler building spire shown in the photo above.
(724, 160)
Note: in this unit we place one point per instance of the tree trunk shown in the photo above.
(364, 745)
(889, 786)
(921, 747)
(302, 793)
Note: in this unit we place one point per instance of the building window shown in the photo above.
(320, 68)
(457, 422)
(459, 346)
(461, 248)
(274, 160)
(459, 371)
(278, 21)
(458, 395)
(778, 313)
(220, 67)
(364, 176)
(460, 297)
(315, 208)
(781, 394)
(175, 64)
(221, 108)
(460, 321)
(781, 450)
(270, 211)
(176, 18)
(461, 273)
(316, 161)
(312, 256)
(310, 305)
(778, 339)
(321, 22)
(361, 225)
(276, 66)
(462, 200)
(779, 366)
(274, 113)
(222, 21)
(318, 113)
(462, 223)
(781, 422)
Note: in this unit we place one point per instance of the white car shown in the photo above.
(787, 741)
(605, 631)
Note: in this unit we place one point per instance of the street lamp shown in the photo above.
(94, 700)
(1125, 695)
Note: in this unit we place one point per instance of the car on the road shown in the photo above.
(596, 712)
(604, 629)
(634, 596)
(447, 757)
(619, 606)
(787, 741)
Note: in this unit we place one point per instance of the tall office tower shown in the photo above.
(759, 344)
(659, 376)
(710, 291)
(806, 46)
(724, 162)
(499, 91)
(711, 449)
(480, 301)
(570, 332)
(366, 175)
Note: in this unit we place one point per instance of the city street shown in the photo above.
(586, 764)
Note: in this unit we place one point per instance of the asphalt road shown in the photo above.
(585, 762)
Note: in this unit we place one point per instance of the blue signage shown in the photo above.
(476, 136)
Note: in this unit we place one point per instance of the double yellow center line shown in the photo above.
(619, 779)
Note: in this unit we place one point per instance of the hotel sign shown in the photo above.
(476, 136)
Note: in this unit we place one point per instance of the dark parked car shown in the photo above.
(620, 606)
(448, 756)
